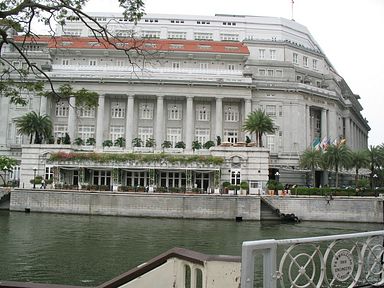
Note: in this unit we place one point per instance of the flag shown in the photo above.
(316, 144)
(323, 143)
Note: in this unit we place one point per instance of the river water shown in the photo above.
(89, 250)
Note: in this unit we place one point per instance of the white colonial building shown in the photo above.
(194, 78)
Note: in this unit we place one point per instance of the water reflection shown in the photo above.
(88, 250)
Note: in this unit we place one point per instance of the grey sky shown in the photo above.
(350, 32)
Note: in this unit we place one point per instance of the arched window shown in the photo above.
(199, 278)
(187, 276)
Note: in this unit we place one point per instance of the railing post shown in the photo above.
(266, 248)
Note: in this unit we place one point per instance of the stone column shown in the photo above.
(159, 133)
(308, 125)
(100, 122)
(189, 124)
(43, 105)
(332, 125)
(247, 110)
(219, 118)
(4, 136)
(324, 124)
(347, 130)
(71, 118)
(129, 122)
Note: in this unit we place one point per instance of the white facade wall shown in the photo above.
(284, 81)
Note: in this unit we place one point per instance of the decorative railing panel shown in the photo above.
(349, 260)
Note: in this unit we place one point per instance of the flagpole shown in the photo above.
(292, 2)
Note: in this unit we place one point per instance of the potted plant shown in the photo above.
(120, 142)
(78, 141)
(166, 144)
(137, 142)
(107, 143)
(180, 144)
(208, 144)
(231, 189)
(271, 186)
(150, 142)
(91, 141)
(196, 145)
(244, 186)
(226, 186)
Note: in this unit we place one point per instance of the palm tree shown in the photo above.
(360, 159)
(376, 160)
(259, 123)
(338, 156)
(311, 159)
(37, 127)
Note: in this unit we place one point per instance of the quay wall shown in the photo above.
(340, 209)
(137, 204)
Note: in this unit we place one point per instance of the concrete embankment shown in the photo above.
(344, 209)
(135, 204)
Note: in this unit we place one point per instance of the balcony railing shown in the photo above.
(349, 260)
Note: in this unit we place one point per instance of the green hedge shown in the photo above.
(334, 192)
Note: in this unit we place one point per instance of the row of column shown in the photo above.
(159, 125)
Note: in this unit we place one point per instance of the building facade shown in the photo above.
(193, 78)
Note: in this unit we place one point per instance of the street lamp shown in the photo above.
(34, 177)
(277, 174)
(374, 182)
(5, 169)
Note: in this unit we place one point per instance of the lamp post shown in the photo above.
(34, 177)
(277, 175)
(5, 169)
(374, 183)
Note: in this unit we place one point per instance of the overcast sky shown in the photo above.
(350, 32)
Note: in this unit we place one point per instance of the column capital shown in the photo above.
(131, 96)
(160, 96)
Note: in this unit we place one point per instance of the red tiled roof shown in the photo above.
(142, 44)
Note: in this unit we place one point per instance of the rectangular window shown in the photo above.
(230, 135)
(62, 109)
(117, 110)
(272, 53)
(87, 112)
(146, 111)
(203, 66)
(279, 73)
(92, 62)
(202, 135)
(314, 64)
(231, 67)
(65, 62)
(175, 112)
(203, 112)
(305, 61)
(174, 135)
(202, 36)
(59, 130)
(295, 58)
(271, 142)
(270, 110)
(262, 72)
(17, 64)
(48, 172)
(280, 111)
(176, 65)
(231, 113)
(150, 34)
(145, 133)
(261, 53)
(270, 72)
(120, 63)
(116, 132)
(177, 35)
(86, 131)
(229, 37)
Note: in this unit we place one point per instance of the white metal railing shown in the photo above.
(348, 260)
